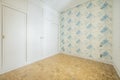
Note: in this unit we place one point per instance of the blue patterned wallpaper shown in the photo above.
(86, 30)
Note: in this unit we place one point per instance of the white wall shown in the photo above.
(63, 5)
(16, 4)
(116, 35)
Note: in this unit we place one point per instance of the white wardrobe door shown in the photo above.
(0, 36)
(35, 33)
(14, 43)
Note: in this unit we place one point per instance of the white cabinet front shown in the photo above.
(0, 36)
(14, 38)
(35, 33)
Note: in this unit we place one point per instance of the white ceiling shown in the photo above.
(61, 5)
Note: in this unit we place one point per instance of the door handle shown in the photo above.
(3, 36)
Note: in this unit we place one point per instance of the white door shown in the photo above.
(0, 36)
(14, 42)
(35, 33)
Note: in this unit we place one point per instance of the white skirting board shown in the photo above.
(28, 63)
(117, 70)
(88, 58)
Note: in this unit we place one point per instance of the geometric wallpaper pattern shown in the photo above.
(86, 30)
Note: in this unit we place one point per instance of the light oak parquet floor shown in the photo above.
(63, 67)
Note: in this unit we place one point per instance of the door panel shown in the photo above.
(0, 36)
(14, 42)
(51, 19)
(35, 33)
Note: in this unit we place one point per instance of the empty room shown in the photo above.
(59, 39)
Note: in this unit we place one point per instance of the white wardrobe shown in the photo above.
(24, 34)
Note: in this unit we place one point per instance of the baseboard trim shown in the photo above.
(117, 70)
(44, 57)
(88, 58)
(2, 71)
